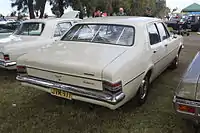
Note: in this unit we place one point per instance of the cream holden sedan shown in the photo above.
(104, 61)
(32, 34)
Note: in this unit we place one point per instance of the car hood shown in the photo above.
(74, 58)
(189, 86)
(12, 39)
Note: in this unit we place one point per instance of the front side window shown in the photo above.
(101, 33)
(153, 34)
(30, 29)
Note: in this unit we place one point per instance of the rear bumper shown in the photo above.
(195, 117)
(102, 96)
(7, 64)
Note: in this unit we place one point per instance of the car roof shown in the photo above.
(51, 20)
(121, 20)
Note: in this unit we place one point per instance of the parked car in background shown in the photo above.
(103, 61)
(173, 22)
(187, 96)
(8, 28)
(32, 34)
(194, 23)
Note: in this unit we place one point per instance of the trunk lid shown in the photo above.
(189, 87)
(12, 39)
(79, 64)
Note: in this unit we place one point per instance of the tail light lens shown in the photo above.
(186, 108)
(6, 57)
(112, 87)
(21, 69)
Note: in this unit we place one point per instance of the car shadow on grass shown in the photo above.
(7, 75)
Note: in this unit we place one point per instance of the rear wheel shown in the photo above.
(143, 91)
(175, 62)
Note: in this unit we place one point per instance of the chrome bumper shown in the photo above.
(83, 92)
(6, 64)
(195, 117)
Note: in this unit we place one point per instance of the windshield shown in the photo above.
(101, 33)
(30, 29)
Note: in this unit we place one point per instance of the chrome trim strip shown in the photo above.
(45, 70)
(186, 102)
(97, 95)
(7, 63)
(134, 78)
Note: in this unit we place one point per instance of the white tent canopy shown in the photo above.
(70, 13)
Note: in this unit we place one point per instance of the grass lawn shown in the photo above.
(27, 110)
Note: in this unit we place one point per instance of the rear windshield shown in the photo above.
(101, 33)
(30, 29)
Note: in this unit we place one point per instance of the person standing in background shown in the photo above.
(121, 12)
(97, 13)
(148, 13)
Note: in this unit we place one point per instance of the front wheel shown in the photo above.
(143, 91)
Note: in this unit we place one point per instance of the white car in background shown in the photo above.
(32, 34)
(104, 61)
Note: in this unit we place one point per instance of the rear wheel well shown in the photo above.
(149, 73)
(179, 51)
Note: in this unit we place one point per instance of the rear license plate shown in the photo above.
(61, 93)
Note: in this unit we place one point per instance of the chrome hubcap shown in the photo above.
(177, 60)
(143, 89)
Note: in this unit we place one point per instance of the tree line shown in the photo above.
(36, 8)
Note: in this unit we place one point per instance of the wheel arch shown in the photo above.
(149, 71)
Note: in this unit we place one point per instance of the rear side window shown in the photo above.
(162, 31)
(30, 29)
(153, 34)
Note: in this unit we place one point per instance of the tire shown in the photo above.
(143, 90)
(175, 62)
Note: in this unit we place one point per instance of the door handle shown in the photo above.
(166, 45)
(154, 51)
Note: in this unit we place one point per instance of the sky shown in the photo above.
(5, 5)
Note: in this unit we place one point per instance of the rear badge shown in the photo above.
(89, 74)
(89, 83)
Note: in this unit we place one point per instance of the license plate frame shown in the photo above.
(61, 93)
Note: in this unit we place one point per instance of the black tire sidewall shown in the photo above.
(141, 101)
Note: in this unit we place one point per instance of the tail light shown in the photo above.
(6, 57)
(186, 108)
(112, 87)
(21, 69)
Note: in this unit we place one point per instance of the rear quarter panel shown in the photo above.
(131, 66)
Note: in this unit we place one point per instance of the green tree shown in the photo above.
(30, 6)
(40, 7)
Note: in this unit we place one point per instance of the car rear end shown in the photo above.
(72, 87)
(6, 62)
(187, 97)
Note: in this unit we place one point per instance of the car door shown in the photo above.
(171, 44)
(158, 49)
